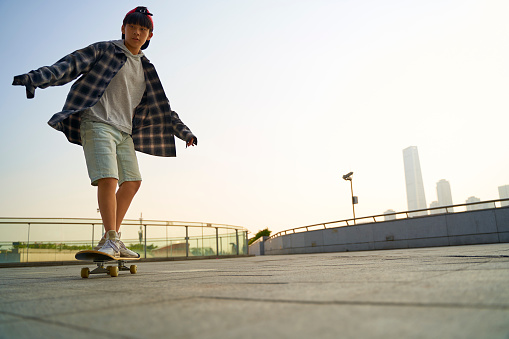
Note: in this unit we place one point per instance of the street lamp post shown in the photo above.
(348, 177)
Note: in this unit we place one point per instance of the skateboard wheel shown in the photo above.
(133, 269)
(113, 271)
(85, 272)
(108, 268)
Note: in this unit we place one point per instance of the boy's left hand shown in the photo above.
(191, 142)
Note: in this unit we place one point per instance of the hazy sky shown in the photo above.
(285, 97)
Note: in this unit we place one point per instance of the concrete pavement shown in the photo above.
(448, 292)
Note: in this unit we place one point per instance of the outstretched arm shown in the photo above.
(63, 71)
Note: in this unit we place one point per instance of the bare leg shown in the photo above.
(125, 195)
(107, 202)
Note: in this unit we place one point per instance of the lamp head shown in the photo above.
(348, 176)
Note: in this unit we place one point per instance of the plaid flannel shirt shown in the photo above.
(154, 123)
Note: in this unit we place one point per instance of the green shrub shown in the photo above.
(52, 246)
(262, 233)
(140, 247)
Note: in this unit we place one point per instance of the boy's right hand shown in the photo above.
(24, 80)
(20, 80)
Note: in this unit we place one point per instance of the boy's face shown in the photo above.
(135, 37)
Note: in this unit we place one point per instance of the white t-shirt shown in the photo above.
(123, 94)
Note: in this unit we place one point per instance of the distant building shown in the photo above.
(472, 200)
(444, 194)
(503, 193)
(387, 215)
(435, 204)
(416, 198)
(477, 206)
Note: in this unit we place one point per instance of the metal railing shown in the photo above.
(399, 216)
(58, 239)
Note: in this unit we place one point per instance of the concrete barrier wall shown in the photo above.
(465, 228)
(257, 248)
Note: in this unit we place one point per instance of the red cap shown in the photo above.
(143, 10)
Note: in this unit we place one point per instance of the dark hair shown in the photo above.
(137, 18)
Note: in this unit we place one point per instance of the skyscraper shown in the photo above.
(416, 198)
(503, 193)
(444, 194)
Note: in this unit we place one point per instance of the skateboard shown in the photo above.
(100, 258)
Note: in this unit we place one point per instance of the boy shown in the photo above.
(117, 106)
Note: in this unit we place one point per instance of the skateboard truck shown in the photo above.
(111, 270)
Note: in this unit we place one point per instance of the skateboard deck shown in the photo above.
(100, 258)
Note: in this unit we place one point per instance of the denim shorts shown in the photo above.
(109, 153)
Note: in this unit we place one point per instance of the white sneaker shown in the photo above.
(111, 244)
(124, 251)
(101, 243)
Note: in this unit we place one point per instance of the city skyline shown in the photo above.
(415, 189)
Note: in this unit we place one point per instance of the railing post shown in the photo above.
(145, 245)
(187, 242)
(92, 236)
(237, 239)
(28, 240)
(217, 242)
(247, 243)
